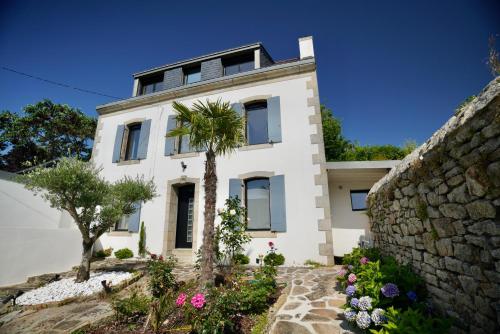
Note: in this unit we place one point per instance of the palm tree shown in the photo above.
(218, 129)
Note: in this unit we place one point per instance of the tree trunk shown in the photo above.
(84, 269)
(207, 251)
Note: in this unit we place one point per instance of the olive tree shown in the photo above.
(94, 203)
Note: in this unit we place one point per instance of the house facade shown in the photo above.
(280, 174)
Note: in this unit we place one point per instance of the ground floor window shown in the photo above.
(122, 225)
(358, 200)
(257, 203)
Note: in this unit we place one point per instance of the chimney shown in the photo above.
(306, 47)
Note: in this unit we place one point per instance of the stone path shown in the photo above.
(312, 304)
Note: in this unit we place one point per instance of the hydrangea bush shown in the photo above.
(373, 284)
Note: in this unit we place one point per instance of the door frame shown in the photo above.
(170, 225)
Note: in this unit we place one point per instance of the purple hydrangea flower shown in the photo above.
(364, 260)
(354, 302)
(365, 303)
(390, 290)
(378, 316)
(351, 278)
(350, 267)
(350, 314)
(350, 290)
(411, 295)
(363, 319)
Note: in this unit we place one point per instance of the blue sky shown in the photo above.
(390, 70)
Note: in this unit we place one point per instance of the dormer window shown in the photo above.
(239, 64)
(151, 85)
(192, 75)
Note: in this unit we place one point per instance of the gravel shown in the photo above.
(67, 288)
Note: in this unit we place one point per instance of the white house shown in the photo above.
(280, 174)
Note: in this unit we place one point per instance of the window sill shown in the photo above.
(185, 155)
(262, 234)
(256, 147)
(119, 234)
(128, 162)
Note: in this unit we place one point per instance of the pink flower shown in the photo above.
(342, 272)
(351, 278)
(271, 244)
(364, 260)
(198, 300)
(181, 300)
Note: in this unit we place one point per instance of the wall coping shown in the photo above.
(423, 152)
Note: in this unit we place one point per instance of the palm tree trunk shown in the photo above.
(84, 269)
(207, 252)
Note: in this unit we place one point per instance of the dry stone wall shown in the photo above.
(439, 211)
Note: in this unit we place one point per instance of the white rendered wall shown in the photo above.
(349, 226)
(34, 238)
(292, 157)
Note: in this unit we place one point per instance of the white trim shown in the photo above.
(361, 164)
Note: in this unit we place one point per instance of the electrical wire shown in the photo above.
(59, 83)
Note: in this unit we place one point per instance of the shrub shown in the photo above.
(142, 240)
(313, 263)
(161, 278)
(124, 253)
(160, 310)
(135, 305)
(241, 259)
(274, 259)
(230, 234)
(412, 321)
(103, 253)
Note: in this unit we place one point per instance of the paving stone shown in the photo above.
(287, 327)
(291, 306)
(336, 302)
(318, 304)
(314, 317)
(326, 329)
(325, 313)
(299, 290)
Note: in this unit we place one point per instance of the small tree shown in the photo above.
(142, 240)
(216, 127)
(94, 204)
(493, 57)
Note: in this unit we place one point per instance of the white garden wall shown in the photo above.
(34, 238)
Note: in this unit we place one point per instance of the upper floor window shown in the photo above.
(134, 133)
(257, 199)
(256, 123)
(151, 85)
(358, 200)
(192, 75)
(239, 64)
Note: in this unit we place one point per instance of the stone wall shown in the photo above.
(439, 211)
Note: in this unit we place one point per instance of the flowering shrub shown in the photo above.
(198, 300)
(181, 300)
(161, 278)
(373, 284)
(272, 258)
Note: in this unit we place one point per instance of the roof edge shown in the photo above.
(370, 164)
(203, 57)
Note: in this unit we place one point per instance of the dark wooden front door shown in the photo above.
(185, 217)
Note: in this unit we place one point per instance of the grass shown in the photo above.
(313, 264)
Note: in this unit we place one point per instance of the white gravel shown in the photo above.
(67, 288)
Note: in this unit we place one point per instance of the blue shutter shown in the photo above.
(142, 151)
(274, 119)
(133, 219)
(118, 143)
(238, 107)
(170, 141)
(278, 207)
(235, 188)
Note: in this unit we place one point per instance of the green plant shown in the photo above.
(142, 240)
(274, 259)
(160, 310)
(412, 321)
(241, 259)
(313, 263)
(103, 253)
(94, 203)
(260, 323)
(421, 210)
(161, 277)
(124, 253)
(133, 306)
(230, 234)
(218, 129)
